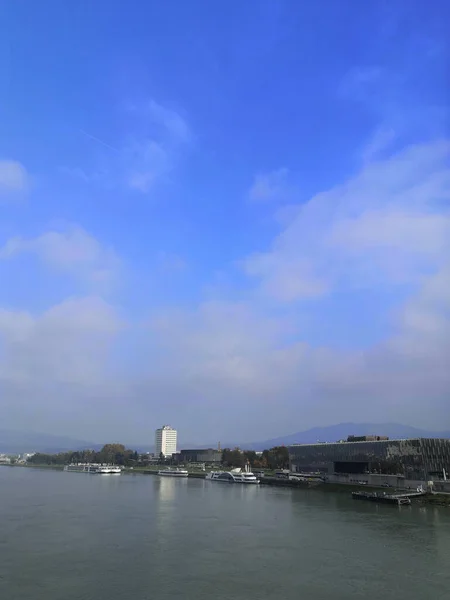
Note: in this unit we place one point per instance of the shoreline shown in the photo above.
(430, 499)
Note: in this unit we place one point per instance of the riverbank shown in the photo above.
(154, 471)
(434, 499)
(25, 466)
(429, 499)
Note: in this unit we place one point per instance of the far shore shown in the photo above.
(435, 499)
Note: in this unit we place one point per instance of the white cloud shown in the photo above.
(238, 356)
(68, 343)
(148, 161)
(381, 140)
(246, 368)
(389, 224)
(143, 157)
(13, 177)
(59, 368)
(153, 148)
(270, 186)
(175, 126)
(73, 251)
(425, 319)
(285, 278)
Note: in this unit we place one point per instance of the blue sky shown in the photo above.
(215, 209)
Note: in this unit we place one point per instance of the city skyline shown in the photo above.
(19, 442)
(233, 220)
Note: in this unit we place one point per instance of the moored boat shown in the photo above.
(233, 476)
(82, 468)
(93, 468)
(109, 470)
(173, 473)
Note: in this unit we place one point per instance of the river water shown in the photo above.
(73, 536)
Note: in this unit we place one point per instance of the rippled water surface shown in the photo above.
(73, 536)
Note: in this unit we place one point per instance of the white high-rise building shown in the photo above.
(165, 441)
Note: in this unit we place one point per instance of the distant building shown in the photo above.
(165, 441)
(202, 455)
(148, 458)
(366, 438)
(422, 459)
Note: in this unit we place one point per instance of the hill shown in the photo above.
(17, 442)
(334, 433)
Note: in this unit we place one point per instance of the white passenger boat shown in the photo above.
(173, 473)
(82, 468)
(93, 469)
(233, 476)
(109, 470)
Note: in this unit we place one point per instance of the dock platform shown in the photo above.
(397, 499)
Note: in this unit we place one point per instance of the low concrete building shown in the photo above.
(201, 455)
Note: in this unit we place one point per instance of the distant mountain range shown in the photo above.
(17, 442)
(333, 433)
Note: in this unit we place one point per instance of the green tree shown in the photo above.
(251, 457)
(110, 453)
(276, 458)
(233, 458)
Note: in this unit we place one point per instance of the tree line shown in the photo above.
(115, 454)
(275, 458)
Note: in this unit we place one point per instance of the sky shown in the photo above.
(233, 218)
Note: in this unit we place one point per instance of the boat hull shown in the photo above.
(173, 473)
(245, 478)
(93, 469)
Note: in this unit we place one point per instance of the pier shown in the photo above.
(398, 499)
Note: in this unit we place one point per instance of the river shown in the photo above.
(73, 536)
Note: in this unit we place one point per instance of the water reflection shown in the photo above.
(418, 527)
(75, 536)
(165, 488)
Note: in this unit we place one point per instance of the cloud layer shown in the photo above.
(142, 157)
(227, 362)
(72, 251)
(13, 178)
(386, 225)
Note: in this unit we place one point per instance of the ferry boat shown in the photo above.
(93, 468)
(109, 470)
(233, 476)
(82, 468)
(173, 473)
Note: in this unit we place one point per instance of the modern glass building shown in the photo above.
(417, 459)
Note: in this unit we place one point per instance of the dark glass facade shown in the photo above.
(422, 459)
(208, 455)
